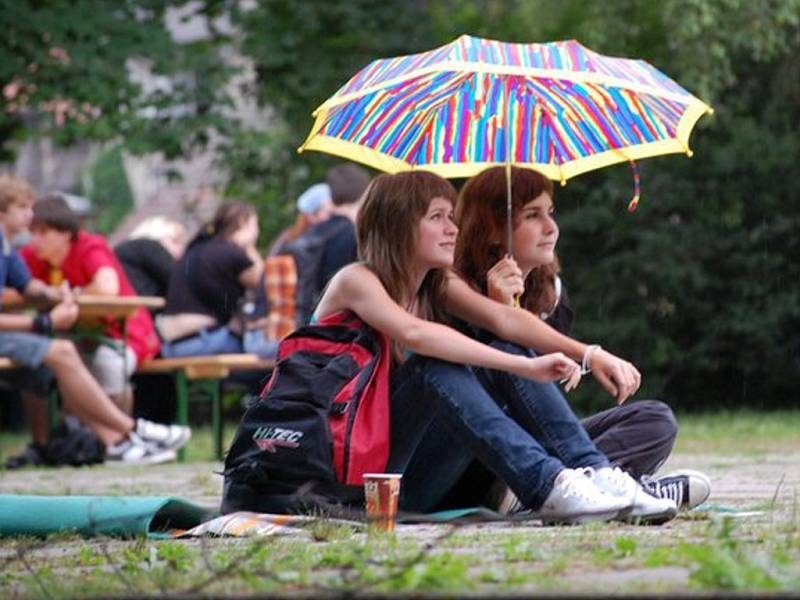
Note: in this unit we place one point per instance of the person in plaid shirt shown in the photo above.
(273, 311)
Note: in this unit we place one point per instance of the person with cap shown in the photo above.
(313, 206)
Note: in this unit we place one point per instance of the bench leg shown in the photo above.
(216, 418)
(182, 409)
(210, 387)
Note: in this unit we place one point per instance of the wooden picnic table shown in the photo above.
(92, 307)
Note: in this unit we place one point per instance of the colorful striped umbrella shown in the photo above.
(474, 103)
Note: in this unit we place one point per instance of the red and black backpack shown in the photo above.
(321, 422)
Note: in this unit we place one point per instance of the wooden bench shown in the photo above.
(204, 373)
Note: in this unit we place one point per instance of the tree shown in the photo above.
(65, 72)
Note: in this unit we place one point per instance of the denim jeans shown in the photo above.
(256, 342)
(523, 431)
(209, 341)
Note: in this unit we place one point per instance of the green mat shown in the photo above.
(126, 516)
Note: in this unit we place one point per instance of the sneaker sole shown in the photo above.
(153, 459)
(651, 519)
(577, 519)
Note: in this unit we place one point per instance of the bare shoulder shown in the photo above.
(354, 274)
(346, 288)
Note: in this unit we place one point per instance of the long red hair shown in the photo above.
(482, 221)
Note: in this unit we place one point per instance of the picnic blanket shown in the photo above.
(171, 517)
(168, 516)
(124, 516)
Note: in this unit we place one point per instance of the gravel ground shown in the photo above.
(749, 483)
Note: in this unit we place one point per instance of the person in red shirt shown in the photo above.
(60, 251)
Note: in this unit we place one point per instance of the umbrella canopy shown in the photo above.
(474, 103)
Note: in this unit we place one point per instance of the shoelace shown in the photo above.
(670, 489)
(616, 476)
(576, 484)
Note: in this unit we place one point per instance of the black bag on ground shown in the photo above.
(321, 422)
(73, 443)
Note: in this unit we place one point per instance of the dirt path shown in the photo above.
(743, 482)
(763, 487)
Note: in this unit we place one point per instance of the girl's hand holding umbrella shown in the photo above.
(504, 281)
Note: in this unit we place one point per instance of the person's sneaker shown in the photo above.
(645, 508)
(163, 437)
(687, 488)
(501, 499)
(575, 499)
(32, 456)
(133, 450)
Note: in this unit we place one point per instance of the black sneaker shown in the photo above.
(32, 456)
(686, 487)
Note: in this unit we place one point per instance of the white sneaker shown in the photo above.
(134, 451)
(575, 499)
(686, 487)
(645, 508)
(163, 437)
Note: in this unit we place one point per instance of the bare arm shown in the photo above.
(250, 277)
(104, 283)
(356, 288)
(62, 317)
(619, 377)
(39, 292)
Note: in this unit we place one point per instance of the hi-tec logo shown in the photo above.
(268, 438)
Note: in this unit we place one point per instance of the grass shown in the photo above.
(738, 431)
(698, 553)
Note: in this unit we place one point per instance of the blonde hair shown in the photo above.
(158, 228)
(13, 189)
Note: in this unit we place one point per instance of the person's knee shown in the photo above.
(660, 415)
(62, 353)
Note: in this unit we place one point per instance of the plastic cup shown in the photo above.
(381, 491)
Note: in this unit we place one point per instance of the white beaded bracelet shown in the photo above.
(586, 363)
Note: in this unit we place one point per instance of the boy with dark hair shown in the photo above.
(62, 252)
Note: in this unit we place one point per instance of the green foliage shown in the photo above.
(64, 71)
(110, 193)
(697, 287)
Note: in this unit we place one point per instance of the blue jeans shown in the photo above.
(256, 342)
(220, 340)
(523, 431)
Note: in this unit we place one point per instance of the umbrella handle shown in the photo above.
(636, 189)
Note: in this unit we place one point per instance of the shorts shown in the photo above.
(112, 367)
(27, 350)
